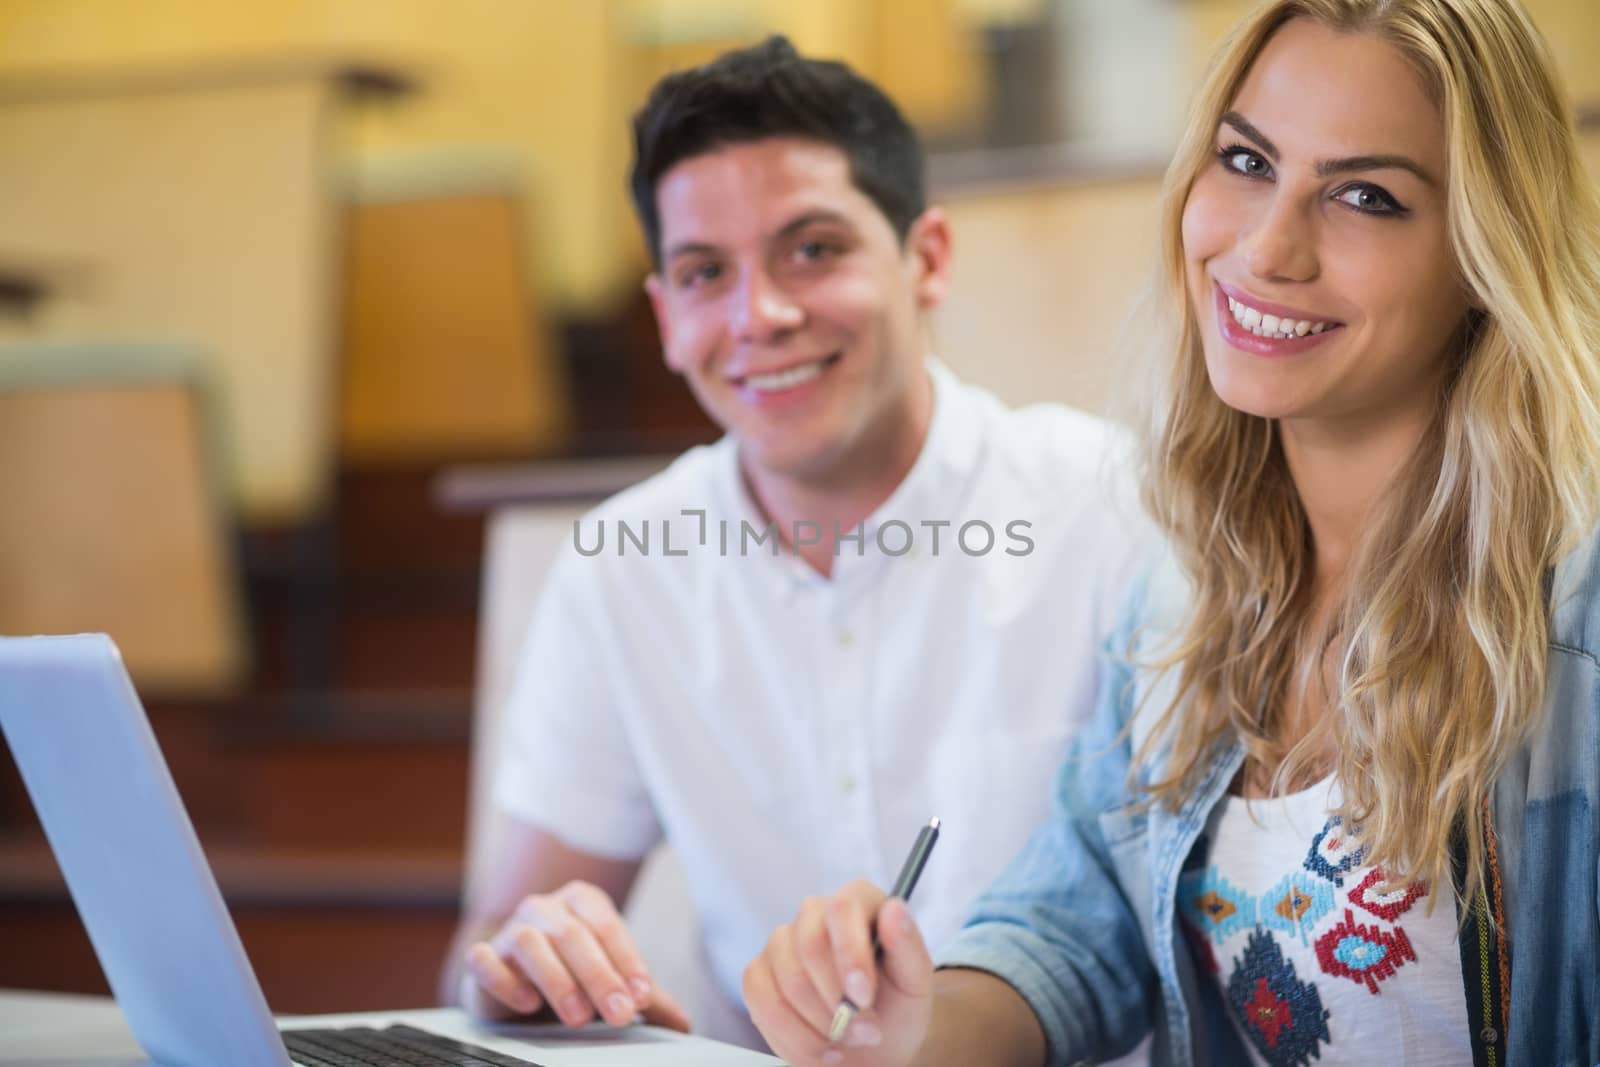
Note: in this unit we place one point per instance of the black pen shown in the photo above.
(910, 871)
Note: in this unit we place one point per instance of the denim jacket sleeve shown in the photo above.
(1056, 924)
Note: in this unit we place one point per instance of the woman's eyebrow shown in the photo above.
(1329, 167)
(1244, 126)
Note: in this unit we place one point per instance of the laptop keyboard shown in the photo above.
(393, 1046)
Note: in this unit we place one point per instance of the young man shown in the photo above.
(877, 599)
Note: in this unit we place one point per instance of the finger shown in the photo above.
(907, 966)
(795, 982)
(595, 907)
(815, 951)
(664, 1010)
(791, 1037)
(492, 980)
(850, 938)
(585, 960)
(531, 950)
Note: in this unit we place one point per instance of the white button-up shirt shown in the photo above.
(789, 732)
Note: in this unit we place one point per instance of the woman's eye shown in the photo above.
(1370, 199)
(1244, 161)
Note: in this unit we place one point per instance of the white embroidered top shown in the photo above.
(1315, 958)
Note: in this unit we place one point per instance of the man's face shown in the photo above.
(786, 301)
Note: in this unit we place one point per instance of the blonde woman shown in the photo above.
(1340, 803)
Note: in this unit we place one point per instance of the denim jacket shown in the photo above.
(1083, 921)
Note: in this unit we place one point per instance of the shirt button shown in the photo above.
(847, 784)
(846, 638)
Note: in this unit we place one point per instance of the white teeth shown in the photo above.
(785, 379)
(1271, 326)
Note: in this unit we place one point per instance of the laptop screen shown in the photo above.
(124, 842)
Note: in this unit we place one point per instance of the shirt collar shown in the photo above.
(949, 454)
(928, 492)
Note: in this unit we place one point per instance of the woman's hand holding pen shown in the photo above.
(568, 952)
(793, 989)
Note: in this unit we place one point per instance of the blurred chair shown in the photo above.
(203, 193)
(110, 511)
(447, 354)
(520, 544)
(522, 541)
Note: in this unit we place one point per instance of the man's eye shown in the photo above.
(1244, 161)
(699, 275)
(814, 250)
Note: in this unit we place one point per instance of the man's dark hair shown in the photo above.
(770, 90)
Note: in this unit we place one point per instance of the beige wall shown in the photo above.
(1044, 282)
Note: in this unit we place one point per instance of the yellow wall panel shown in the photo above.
(537, 74)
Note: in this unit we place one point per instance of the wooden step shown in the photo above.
(325, 930)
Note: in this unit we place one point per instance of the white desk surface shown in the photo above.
(67, 1030)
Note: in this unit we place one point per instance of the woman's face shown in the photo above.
(1317, 252)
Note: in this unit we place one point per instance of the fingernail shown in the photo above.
(575, 1010)
(855, 984)
(903, 920)
(641, 989)
(863, 1034)
(832, 1055)
(527, 1002)
(621, 1007)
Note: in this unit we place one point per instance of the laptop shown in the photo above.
(148, 899)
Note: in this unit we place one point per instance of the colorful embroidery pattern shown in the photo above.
(1363, 954)
(1216, 907)
(1282, 1015)
(1296, 904)
(1390, 905)
(1308, 920)
(1334, 853)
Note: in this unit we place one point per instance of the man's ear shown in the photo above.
(658, 304)
(928, 246)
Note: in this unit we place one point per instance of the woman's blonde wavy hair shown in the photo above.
(1440, 639)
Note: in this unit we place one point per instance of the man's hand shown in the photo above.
(793, 988)
(568, 951)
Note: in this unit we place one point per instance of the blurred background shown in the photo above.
(306, 306)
